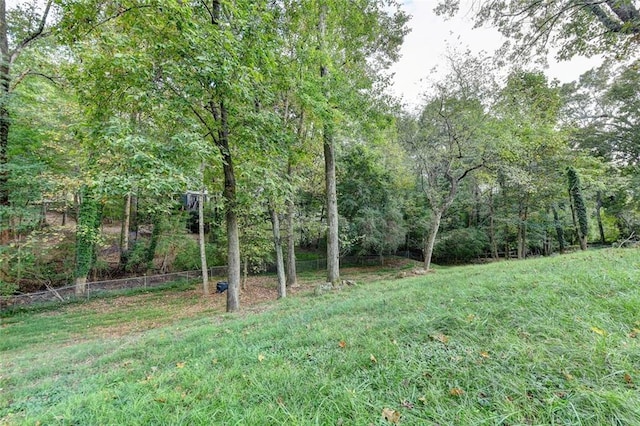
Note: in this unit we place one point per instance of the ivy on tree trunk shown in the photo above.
(580, 209)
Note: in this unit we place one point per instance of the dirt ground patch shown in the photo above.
(175, 305)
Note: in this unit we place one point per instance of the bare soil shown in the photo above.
(176, 306)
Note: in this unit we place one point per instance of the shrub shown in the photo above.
(461, 245)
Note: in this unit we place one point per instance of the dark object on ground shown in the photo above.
(222, 286)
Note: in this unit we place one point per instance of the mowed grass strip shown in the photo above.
(542, 341)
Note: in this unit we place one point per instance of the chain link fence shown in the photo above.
(97, 288)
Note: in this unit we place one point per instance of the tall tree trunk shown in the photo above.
(599, 217)
(124, 231)
(492, 228)
(431, 239)
(275, 224)
(87, 231)
(292, 277)
(229, 194)
(201, 238)
(559, 230)
(573, 219)
(134, 226)
(333, 242)
(580, 211)
(522, 230)
(5, 89)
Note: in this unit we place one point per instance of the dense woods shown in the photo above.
(128, 128)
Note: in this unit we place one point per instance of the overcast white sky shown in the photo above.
(424, 48)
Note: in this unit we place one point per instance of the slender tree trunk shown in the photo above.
(333, 242)
(43, 215)
(229, 194)
(431, 239)
(559, 230)
(201, 239)
(292, 277)
(599, 217)
(124, 231)
(275, 223)
(574, 219)
(492, 228)
(507, 249)
(65, 211)
(5, 120)
(522, 230)
(245, 273)
(5, 89)
(133, 218)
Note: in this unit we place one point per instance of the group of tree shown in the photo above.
(272, 114)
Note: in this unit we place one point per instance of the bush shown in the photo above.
(188, 257)
(461, 245)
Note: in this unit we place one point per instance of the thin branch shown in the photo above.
(117, 15)
(36, 34)
(19, 78)
(469, 170)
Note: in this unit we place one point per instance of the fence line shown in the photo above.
(96, 288)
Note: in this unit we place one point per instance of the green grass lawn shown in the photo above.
(538, 342)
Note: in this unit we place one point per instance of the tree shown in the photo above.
(448, 142)
(531, 150)
(575, 192)
(577, 27)
(370, 202)
(26, 28)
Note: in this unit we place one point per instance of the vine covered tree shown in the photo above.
(575, 192)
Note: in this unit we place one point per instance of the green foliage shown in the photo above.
(187, 257)
(7, 289)
(44, 256)
(87, 233)
(369, 202)
(461, 245)
(573, 27)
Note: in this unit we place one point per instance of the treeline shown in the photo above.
(273, 119)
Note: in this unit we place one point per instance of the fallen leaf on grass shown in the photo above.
(342, 344)
(407, 404)
(484, 354)
(180, 364)
(628, 379)
(599, 331)
(634, 333)
(456, 392)
(440, 338)
(260, 357)
(373, 359)
(390, 415)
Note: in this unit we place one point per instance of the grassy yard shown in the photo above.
(538, 342)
